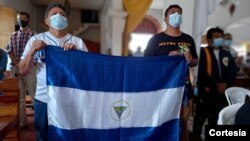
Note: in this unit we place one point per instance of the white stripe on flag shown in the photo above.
(77, 109)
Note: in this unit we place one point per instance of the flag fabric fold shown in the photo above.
(95, 97)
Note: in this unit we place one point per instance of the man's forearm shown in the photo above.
(27, 63)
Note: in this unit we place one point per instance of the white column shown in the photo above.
(112, 26)
(118, 24)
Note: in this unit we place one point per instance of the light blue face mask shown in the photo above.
(175, 19)
(58, 22)
(228, 43)
(218, 42)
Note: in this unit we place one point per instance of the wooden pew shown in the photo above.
(28, 101)
(9, 110)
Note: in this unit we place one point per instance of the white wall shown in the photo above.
(112, 26)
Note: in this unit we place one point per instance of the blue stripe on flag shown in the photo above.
(78, 108)
(165, 132)
(88, 71)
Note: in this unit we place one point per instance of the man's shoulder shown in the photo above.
(225, 51)
(75, 38)
(14, 33)
(205, 50)
(159, 36)
(32, 32)
(38, 35)
(186, 35)
(72, 36)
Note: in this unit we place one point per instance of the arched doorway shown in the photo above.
(143, 32)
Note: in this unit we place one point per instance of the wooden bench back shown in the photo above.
(9, 109)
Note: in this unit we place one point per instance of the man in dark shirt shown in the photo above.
(216, 72)
(171, 42)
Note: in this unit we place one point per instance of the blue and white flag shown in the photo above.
(96, 97)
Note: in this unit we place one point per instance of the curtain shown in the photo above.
(136, 10)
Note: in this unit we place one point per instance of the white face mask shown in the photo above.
(228, 43)
(175, 19)
(218, 42)
(58, 22)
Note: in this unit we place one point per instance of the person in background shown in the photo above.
(18, 40)
(130, 53)
(109, 51)
(216, 72)
(171, 42)
(57, 35)
(3, 62)
(228, 40)
(138, 52)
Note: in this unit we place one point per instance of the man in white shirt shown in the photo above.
(55, 18)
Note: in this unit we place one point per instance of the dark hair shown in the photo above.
(172, 6)
(227, 34)
(53, 5)
(24, 13)
(213, 30)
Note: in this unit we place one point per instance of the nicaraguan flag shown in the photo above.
(108, 98)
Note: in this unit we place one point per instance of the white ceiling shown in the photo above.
(238, 24)
(240, 30)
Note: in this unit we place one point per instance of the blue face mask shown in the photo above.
(218, 42)
(58, 22)
(175, 19)
(228, 43)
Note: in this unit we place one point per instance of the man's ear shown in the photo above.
(166, 20)
(46, 21)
